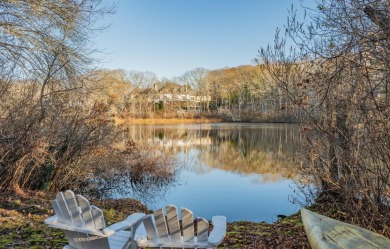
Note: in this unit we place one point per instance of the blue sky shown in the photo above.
(170, 37)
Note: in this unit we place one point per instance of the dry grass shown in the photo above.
(119, 121)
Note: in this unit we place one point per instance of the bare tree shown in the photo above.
(197, 80)
(110, 87)
(337, 77)
(55, 133)
(140, 82)
(44, 56)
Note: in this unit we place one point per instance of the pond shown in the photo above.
(242, 171)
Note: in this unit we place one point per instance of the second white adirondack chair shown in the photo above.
(164, 230)
(84, 224)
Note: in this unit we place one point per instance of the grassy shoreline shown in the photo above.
(22, 215)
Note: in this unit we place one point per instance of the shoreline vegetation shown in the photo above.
(189, 120)
(22, 214)
(167, 120)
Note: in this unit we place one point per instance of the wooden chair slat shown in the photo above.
(57, 210)
(187, 224)
(69, 236)
(84, 238)
(203, 230)
(98, 218)
(86, 214)
(173, 222)
(218, 233)
(161, 224)
(73, 207)
(95, 243)
(64, 208)
(103, 243)
(150, 228)
(77, 240)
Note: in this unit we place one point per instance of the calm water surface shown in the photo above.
(242, 171)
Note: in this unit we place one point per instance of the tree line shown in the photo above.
(234, 94)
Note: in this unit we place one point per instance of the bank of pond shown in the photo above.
(22, 218)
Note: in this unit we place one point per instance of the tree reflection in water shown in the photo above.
(243, 171)
(264, 149)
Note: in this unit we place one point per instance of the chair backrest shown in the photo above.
(83, 224)
(166, 227)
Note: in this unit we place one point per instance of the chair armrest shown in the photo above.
(51, 220)
(129, 222)
(219, 231)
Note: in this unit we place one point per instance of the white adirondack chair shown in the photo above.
(164, 231)
(84, 225)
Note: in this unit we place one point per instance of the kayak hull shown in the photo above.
(327, 233)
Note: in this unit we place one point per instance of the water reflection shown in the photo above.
(241, 170)
(242, 148)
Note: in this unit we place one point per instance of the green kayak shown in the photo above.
(326, 233)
